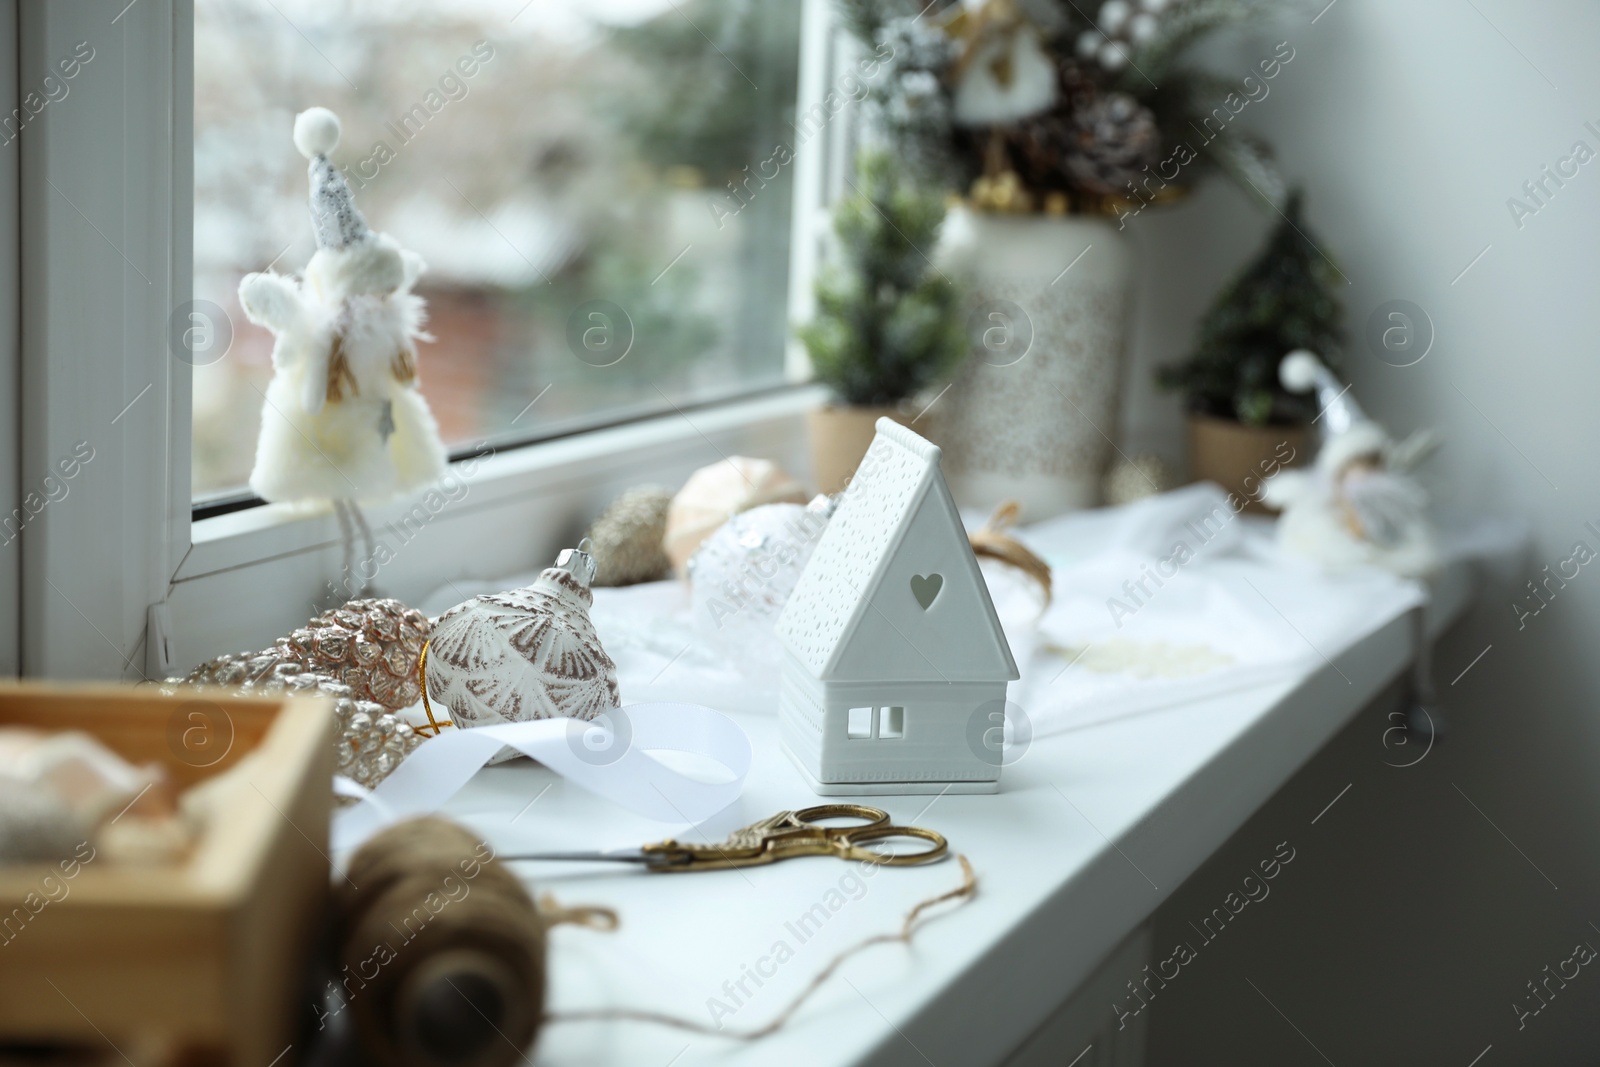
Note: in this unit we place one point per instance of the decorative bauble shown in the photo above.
(369, 645)
(371, 742)
(714, 494)
(1111, 142)
(525, 654)
(628, 539)
(743, 574)
(1136, 478)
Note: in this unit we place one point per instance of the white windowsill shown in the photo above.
(253, 575)
(259, 533)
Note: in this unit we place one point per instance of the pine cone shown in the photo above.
(628, 538)
(1038, 146)
(1109, 144)
(372, 646)
(371, 742)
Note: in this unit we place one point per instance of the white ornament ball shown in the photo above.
(742, 575)
(316, 132)
(1142, 27)
(1089, 42)
(1114, 15)
(1113, 55)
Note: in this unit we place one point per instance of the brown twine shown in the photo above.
(992, 540)
(425, 902)
(424, 908)
(964, 892)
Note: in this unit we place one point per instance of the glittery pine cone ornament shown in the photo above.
(371, 646)
(371, 742)
(627, 540)
(1109, 144)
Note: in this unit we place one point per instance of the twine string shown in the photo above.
(967, 890)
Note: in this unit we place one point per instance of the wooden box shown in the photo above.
(205, 959)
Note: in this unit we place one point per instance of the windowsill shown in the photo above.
(1091, 832)
(270, 531)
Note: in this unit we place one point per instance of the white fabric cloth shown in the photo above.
(1236, 612)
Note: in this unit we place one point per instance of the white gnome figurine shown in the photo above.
(343, 418)
(1358, 503)
(1003, 74)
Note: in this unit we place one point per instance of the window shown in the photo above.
(881, 723)
(892, 722)
(591, 182)
(171, 172)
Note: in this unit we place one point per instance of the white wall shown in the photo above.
(1411, 123)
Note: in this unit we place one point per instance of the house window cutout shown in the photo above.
(858, 724)
(892, 722)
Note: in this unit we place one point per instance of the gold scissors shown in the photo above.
(780, 837)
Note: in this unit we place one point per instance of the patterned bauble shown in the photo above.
(525, 654)
(742, 576)
(1110, 143)
(713, 494)
(371, 742)
(370, 645)
(627, 539)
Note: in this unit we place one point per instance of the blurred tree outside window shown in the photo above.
(574, 197)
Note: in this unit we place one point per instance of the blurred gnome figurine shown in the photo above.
(1359, 503)
(1002, 75)
(343, 419)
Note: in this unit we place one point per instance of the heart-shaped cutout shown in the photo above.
(926, 588)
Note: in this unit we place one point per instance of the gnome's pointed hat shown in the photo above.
(1301, 371)
(334, 217)
(1345, 430)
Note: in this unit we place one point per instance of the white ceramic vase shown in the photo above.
(1032, 414)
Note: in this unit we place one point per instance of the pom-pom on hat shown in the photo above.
(1301, 372)
(334, 217)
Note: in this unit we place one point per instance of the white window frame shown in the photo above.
(116, 580)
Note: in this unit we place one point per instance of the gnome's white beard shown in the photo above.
(1391, 527)
(316, 447)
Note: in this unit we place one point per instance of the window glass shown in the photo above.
(592, 184)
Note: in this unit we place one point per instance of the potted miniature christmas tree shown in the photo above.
(1240, 415)
(887, 323)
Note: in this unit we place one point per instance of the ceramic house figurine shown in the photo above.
(895, 665)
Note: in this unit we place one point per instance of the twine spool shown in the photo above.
(457, 945)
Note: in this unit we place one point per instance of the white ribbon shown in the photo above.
(609, 757)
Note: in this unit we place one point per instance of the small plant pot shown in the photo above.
(1240, 458)
(840, 437)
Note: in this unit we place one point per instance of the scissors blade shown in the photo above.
(621, 855)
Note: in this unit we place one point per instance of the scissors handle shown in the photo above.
(851, 850)
(813, 816)
(799, 833)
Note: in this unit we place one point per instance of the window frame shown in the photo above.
(118, 579)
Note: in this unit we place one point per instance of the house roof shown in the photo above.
(854, 616)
